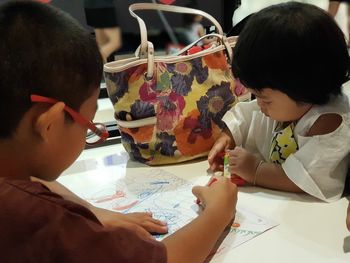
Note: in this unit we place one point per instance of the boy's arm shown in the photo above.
(194, 242)
(106, 217)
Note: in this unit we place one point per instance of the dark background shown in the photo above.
(220, 10)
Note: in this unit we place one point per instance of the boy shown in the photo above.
(47, 63)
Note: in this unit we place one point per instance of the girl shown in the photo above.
(295, 135)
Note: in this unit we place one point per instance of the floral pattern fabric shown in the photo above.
(188, 99)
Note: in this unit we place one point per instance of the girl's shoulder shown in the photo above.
(325, 119)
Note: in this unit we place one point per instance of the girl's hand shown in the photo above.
(243, 164)
(223, 143)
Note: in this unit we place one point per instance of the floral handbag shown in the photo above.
(169, 108)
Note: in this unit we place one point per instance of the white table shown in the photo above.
(308, 231)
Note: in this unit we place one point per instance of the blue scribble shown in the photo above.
(159, 182)
(177, 205)
(144, 194)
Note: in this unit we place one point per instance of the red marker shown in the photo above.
(235, 179)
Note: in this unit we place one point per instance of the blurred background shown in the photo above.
(222, 11)
(156, 29)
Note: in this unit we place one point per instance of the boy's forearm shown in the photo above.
(194, 242)
(272, 176)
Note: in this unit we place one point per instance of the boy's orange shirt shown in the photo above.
(40, 226)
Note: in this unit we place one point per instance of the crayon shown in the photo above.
(227, 173)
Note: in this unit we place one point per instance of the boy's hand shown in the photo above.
(243, 164)
(144, 220)
(220, 197)
(222, 143)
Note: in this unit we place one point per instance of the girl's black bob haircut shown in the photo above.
(295, 48)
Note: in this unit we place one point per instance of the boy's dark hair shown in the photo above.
(295, 48)
(43, 51)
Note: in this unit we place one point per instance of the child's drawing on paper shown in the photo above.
(169, 198)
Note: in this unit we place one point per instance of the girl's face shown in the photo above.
(278, 106)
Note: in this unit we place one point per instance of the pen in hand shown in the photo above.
(235, 179)
(227, 174)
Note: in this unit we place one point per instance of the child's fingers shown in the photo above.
(142, 232)
(212, 154)
(212, 180)
(236, 151)
(198, 192)
(153, 220)
(217, 148)
(215, 159)
(154, 226)
(213, 167)
(145, 220)
(233, 161)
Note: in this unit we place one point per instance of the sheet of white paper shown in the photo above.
(167, 196)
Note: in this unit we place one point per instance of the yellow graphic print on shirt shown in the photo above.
(283, 144)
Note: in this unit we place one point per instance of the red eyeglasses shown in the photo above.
(96, 133)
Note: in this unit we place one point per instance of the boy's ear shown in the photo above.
(49, 120)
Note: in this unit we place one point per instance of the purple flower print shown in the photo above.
(181, 84)
(200, 72)
(184, 74)
(141, 110)
(215, 103)
(165, 145)
(135, 153)
(120, 80)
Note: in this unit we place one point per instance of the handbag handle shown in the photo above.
(166, 8)
(228, 42)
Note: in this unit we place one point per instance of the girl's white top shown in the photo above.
(248, 7)
(320, 165)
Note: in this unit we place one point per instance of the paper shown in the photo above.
(167, 196)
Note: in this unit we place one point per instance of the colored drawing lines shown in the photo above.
(143, 192)
(170, 199)
(167, 196)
